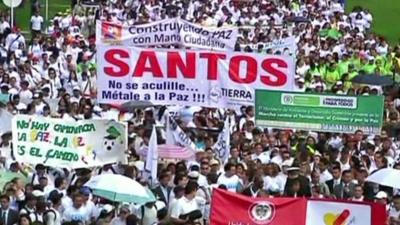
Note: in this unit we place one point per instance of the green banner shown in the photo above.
(326, 113)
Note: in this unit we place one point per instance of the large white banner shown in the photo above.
(323, 212)
(285, 46)
(57, 143)
(191, 78)
(167, 32)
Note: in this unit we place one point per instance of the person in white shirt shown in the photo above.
(52, 216)
(394, 212)
(30, 205)
(325, 175)
(259, 154)
(36, 23)
(4, 24)
(123, 214)
(358, 194)
(229, 179)
(14, 39)
(88, 204)
(186, 205)
(40, 171)
(77, 212)
(24, 92)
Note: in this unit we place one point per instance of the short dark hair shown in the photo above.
(58, 181)
(6, 197)
(336, 168)
(190, 187)
(179, 177)
(325, 161)
(228, 166)
(346, 172)
(164, 173)
(77, 195)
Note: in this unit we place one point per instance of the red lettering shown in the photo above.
(269, 66)
(175, 62)
(153, 68)
(111, 57)
(212, 65)
(251, 69)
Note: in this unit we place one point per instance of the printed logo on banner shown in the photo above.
(111, 32)
(337, 213)
(215, 94)
(338, 219)
(262, 212)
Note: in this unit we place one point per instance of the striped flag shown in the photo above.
(170, 152)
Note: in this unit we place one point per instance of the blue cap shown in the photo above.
(85, 191)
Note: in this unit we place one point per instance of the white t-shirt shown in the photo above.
(232, 183)
(183, 206)
(149, 215)
(394, 213)
(4, 25)
(264, 157)
(275, 184)
(118, 221)
(73, 214)
(36, 22)
(52, 217)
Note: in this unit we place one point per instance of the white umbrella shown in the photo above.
(387, 177)
(119, 188)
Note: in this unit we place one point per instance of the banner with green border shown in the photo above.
(315, 112)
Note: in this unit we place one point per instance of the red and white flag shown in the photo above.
(292, 211)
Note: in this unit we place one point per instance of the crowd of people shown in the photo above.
(51, 72)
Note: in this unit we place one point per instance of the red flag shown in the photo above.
(233, 209)
(111, 31)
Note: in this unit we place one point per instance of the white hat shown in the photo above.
(193, 174)
(38, 193)
(214, 162)
(339, 83)
(76, 88)
(294, 168)
(313, 135)
(107, 208)
(301, 80)
(4, 85)
(287, 162)
(46, 86)
(317, 153)
(381, 195)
